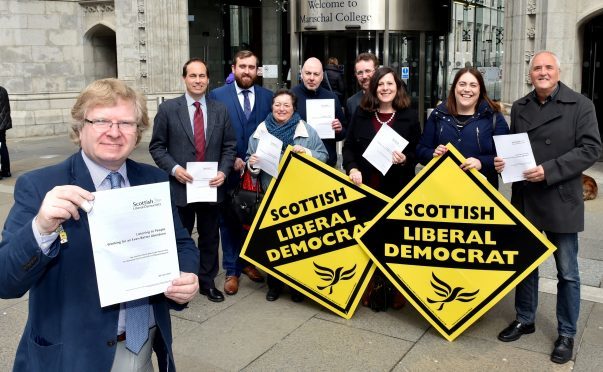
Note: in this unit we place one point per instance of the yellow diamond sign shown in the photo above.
(304, 231)
(453, 244)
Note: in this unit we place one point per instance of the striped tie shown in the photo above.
(137, 311)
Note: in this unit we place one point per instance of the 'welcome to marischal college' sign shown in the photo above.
(330, 15)
(337, 15)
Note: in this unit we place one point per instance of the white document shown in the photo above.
(269, 153)
(199, 190)
(320, 114)
(518, 155)
(132, 233)
(380, 151)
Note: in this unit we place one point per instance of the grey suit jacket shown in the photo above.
(352, 104)
(173, 141)
(564, 135)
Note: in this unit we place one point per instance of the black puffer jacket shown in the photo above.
(5, 120)
(336, 80)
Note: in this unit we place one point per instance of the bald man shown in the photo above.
(312, 76)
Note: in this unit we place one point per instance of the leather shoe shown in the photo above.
(296, 296)
(515, 330)
(273, 294)
(213, 294)
(564, 347)
(231, 285)
(253, 274)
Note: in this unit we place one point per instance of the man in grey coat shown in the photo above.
(364, 68)
(193, 128)
(563, 131)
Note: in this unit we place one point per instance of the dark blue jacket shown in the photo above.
(302, 93)
(244, 128)
(67, 329)
(474, 140)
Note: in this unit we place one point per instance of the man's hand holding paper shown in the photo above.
(206, 179)
(60, 204)
(518, 157)
(321, 116)
(183, 289)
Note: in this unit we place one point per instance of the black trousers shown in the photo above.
(274, 283)
(4, 159)
(208, 218)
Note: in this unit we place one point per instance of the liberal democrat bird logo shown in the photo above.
(449, 294)
(333, 277)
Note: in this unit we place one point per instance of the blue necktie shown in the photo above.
(137, 311)
(246, 103)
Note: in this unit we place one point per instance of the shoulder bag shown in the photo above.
(246, 199)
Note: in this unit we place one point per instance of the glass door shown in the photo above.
(592, 66)
(404, 52)
(344, 46)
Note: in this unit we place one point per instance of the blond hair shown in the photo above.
(106, 92)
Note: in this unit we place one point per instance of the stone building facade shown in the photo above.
(557, 25)
(50, 49)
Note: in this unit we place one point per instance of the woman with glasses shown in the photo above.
(468, 119)
(285, 124)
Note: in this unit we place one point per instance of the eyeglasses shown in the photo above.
(365, 72)
(103, 125)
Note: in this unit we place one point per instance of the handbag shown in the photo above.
(246, 199)
(382, 293)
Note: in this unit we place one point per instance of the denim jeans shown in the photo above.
(568, 286)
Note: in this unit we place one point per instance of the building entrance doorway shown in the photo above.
(419, 53)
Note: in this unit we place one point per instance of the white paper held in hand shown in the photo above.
(380, 151)
(269, 153)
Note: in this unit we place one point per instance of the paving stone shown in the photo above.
(434, 353)
(406, 323)
(322, 345)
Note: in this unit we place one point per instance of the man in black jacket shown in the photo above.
(312, 76)
(5, 124)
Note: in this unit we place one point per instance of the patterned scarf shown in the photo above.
(284, 131)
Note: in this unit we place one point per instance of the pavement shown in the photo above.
(245, 332)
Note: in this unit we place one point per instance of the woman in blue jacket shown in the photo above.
(468, 119)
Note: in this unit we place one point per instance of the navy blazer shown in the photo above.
(244, 128)
(173, 141)
(66, 329)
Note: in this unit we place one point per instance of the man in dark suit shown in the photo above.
(248, 105)
(46, 249)
(194, 128)
(364, 68)
(564, 134)
(312, 75)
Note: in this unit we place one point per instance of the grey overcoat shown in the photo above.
(565, 140)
